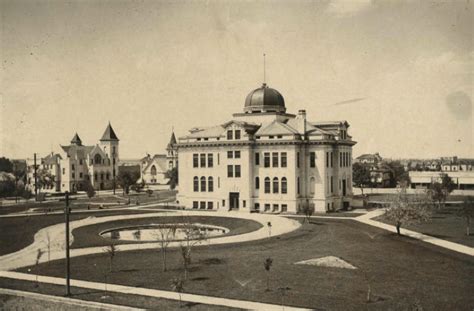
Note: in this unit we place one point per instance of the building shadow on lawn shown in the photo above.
(212, 261)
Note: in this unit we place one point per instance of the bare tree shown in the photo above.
(166, 234)
(467, 212)
(439, 191)
(111, 251)
(404, 209)
(308, 211)
(192, 236)
(177, 285)
(267, 264)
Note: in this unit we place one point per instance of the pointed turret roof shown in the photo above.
(109, 134)
(172, 139)
(76, 140)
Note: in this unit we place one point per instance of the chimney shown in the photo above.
(302, 115)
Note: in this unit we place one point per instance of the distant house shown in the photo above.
(371, 159)
(153, 169)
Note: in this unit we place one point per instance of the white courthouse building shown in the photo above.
(266, 160)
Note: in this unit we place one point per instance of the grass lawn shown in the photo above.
(18, 232)
(18, 303)
(444, 224)
(401, 272)
(89, 235)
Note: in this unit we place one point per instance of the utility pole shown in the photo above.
(68, 270)
(67, 211)
(36, 178)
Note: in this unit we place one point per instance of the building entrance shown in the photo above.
(233, 200)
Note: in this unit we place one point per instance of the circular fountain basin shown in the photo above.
(169, 232)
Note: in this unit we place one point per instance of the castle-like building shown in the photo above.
(267, 160)
(79, 164)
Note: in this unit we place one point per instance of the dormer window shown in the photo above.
(229, 135)
(237, 134)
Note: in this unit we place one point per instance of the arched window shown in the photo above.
(97, 159)
(210, 184)
(153, 170)
(275, 185)
(267, 185)
(196, 184)
(257, 183)
(312, 183)
(284, 185)
(203, 184)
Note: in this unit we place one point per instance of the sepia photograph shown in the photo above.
(237, 155)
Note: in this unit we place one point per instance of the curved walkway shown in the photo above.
(367, 219)
(55, 235)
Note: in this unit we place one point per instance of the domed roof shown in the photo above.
(264, 99)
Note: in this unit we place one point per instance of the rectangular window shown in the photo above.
(266, 159)
(203, 205)
(218, 159)
(298, 160)
(267, 207)
(64, 171)
(257, 158)
(203, 159)
(332, 184)
(274, 159)
(312, 159)
(244, 203)
(80, 175)
(80, 161)
(237, 154)
(279, 136)
(257, 183)
(275, 207)
(218, 182)
(237, 134)
(270, 137)
(257, 206)
(72, 167)
(237, 171)
(283, 159)
(230, 171)
(195, 160)
(284, 208)
(341, 157)
(210, 160)
(229, 134)
(230, 154)
(298, 185)
(223, 203)
(210, 205)
(332, 156)
(195, 204)
(327, 159)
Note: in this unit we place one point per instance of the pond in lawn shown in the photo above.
(168, 232)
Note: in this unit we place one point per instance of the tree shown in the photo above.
(360, 176)
(398, 175)
(126, 179)
(166, 234)
(467, 212)
(439, 191)
(111, 250)
(89, 189)
(404, 209)
(173, 177)
(6, 165)
(45, 179)
(177, 285)
(267, 264)
(7, 187)
(192, 236)
(308, 211)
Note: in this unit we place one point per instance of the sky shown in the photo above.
(400, 72)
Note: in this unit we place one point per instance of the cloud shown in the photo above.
(349, 101)
(347, 8)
